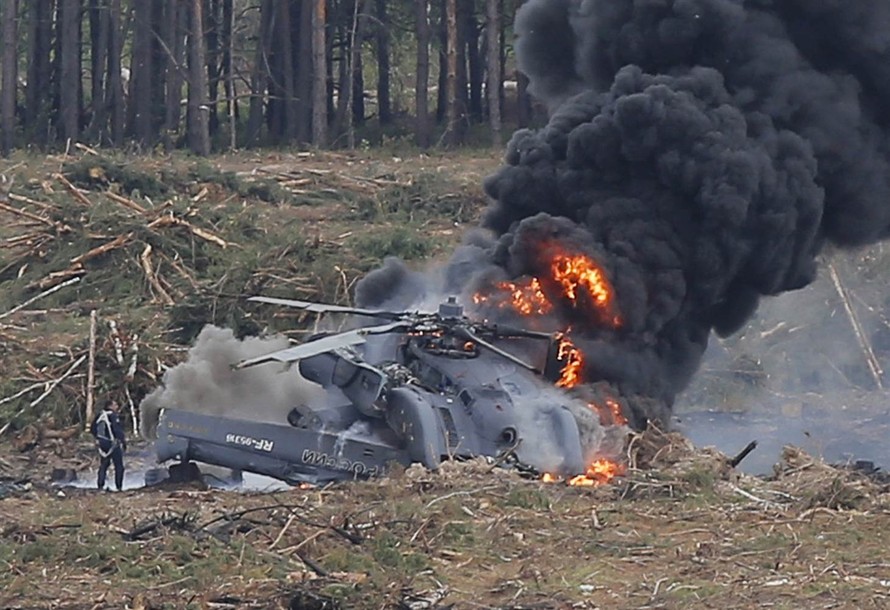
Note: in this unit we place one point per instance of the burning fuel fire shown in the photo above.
(570, 375)
(576, 272)
(615, 413)
(574, 278)
(598, 472)
(579, 281)
(527, 298)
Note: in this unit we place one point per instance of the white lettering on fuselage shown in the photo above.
(260, 444)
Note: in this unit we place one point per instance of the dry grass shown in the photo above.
(679, 532)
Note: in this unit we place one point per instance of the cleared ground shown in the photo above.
(682, 530)
(160, 246)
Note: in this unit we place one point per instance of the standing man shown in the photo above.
(111, 442)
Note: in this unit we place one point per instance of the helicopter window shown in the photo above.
(465, 398)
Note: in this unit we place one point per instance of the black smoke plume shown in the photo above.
(703, 152)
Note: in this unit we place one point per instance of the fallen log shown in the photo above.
(58, 226)
(57, 276)
(117, 242)
(127, 203)
(741, 455)
(147, 268)
(76, 192)
(168, 220)
(40, 204)
(43, 294)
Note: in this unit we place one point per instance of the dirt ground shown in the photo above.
(681, 529)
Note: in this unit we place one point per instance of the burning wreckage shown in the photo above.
(421, 387)
(700, 155)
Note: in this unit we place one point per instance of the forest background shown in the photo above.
(215, 75)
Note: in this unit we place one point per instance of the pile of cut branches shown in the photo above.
(110, 267)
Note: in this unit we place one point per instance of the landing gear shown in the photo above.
(186, 472)
(155, 476)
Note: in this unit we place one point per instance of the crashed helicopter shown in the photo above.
(418, 387)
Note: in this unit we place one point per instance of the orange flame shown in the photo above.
(570, 376)
(572, 272)
(527, 298)
(610, 414)
(618, 418)
(599, 472)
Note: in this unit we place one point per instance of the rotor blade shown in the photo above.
(508, 332)
(324, 344)
(326, 308)
(469, 335)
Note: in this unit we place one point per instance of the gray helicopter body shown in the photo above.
(421, 388)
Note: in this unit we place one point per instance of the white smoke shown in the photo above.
(206, 383)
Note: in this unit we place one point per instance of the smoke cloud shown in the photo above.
(205, 382)
(702, 152)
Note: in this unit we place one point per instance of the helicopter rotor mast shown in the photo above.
(449, 319)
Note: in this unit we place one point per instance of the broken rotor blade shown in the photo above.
(465, 333)
(321, 345)
(326, 308)
(510, 332)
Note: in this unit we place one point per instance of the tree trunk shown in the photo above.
(259, 78)
(341, 40)
(98, 57)
(228, 70)
(288, 103)
(174, 30)
(329, 66)
(213, 55)
(198, 124)
(69, 64)
(141, 93)
(502, 33)
(275, 105)
(159, 72)
(474, 60)
(358, 85)
(452, 103)
(523, 100)
(304, 73)
(442, 83)
(38, 100)
(421, 89)
(384, 105)
(494, 83)
(461, 101)
(115, 92)
(9, 63)
(350, 57)
(320, 76)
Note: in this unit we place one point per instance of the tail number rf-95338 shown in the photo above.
(260, 444)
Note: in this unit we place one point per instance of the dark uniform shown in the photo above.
(112, 443)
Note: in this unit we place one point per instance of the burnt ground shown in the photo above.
(680, 529)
